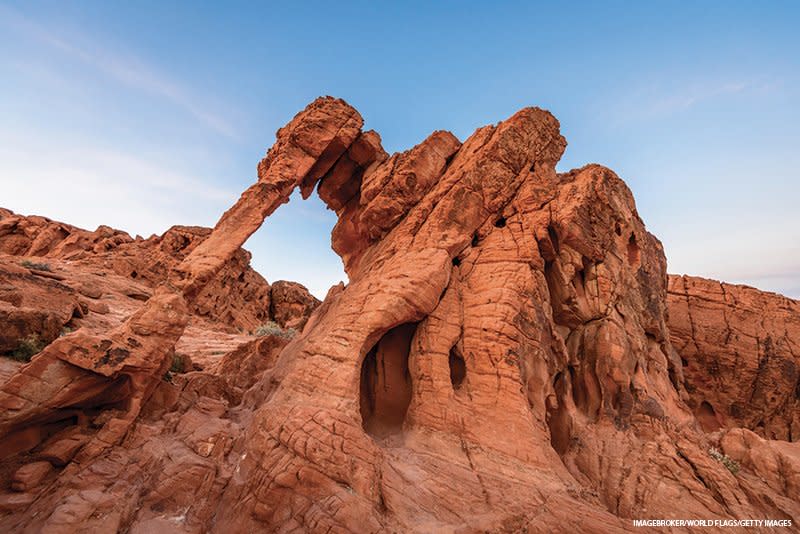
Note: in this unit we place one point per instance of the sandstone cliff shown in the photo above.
(509, 355)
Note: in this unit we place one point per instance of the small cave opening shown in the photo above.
(456, 261)
(134, 274)
(578, 394)
(475, 239)
(579, 279)
(707, 417)
(633, 252)
(385, 391)
(500, 223)
(617, 229)
(458, 368)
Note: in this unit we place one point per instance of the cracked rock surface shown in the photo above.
(509, 355)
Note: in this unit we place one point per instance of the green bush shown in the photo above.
(271, 328)
(27, 348)
(36, 266)
(731, 464)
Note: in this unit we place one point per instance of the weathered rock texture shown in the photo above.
(502, 360)
(32, 305)
(741, 355)
(237, 296)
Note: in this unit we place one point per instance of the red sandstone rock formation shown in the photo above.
(741, 355)
(34, 304)
(506, 357)
(237, 296)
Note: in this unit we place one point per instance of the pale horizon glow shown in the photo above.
(146, 116)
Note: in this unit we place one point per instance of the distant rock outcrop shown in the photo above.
(741, 355)
(237, 296)
(508, 356)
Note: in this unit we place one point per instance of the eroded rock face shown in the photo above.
(502, 360)
(237, 296)
(33, 306)
(40, 236)
(291, 304)
(741, 354)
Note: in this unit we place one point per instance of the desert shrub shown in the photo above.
(731, 464)
(271, 328)
(27, 348)
(36, 266)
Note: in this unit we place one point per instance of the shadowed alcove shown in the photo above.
(386, 382)
(458, 368)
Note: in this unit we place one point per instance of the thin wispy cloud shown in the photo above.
(88, 186)
(126, 69)
(684, 98)
(662, 98)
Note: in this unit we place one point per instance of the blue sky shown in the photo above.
(141, 115)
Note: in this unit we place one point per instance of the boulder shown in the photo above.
(291, 304)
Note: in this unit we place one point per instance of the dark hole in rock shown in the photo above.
(633, 252)
(475, 239)
(617, 229)
(386, 382)
(456, 261)
(673, 378)
(707, 417)
(579, 280)
(27, 438)
(684, 362)
(500, 223)
(458, 368)
(134, 274)
(551, 232)
(558, 420)
(533, 167)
